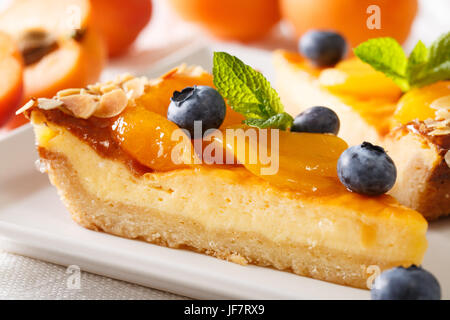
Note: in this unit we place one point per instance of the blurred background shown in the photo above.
(114, 36)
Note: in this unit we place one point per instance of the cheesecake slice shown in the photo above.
(92, 154)
(371, 108)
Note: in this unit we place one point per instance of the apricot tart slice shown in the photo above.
(413, 128)
(109, 160)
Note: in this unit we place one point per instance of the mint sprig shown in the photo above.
(423, 66)
(248, 92)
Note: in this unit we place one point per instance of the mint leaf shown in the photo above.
(424, 66)
(417, 62)
(437, 66)
(281, 121)
(419, 55)
(387, 56)
(248, 92)
(440, 51)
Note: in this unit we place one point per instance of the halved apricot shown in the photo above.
(60, 47)
(11, 81)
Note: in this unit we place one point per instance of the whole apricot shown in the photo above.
(120, 22)
(242, 20)
(357, 20)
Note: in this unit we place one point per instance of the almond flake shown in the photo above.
(443, 114)
(121, 78)
(26, 106)
(108, 88)
(440, 132)
(81, 105)
(111, 104)
(447, 158)
(441, 103)
(49, 104)
(135, 87)
(94, 88)
(68, 92)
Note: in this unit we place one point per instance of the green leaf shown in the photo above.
(437, 66)
(387, 56)
(281, 121)
(439, 51)
(439, 73)
(417, 62)
(248, 92)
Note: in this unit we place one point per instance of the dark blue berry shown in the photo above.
(316, 120)
(366, 169)
(323, 48)
(198, 103)
(413, 283)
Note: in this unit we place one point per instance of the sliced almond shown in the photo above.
(440, 132)
(111, 104)
(49, 104)
(447, 158)
(121, 78)
(108, 88)
(26, 106)
(68, 92)
(135, 87)
(442, 114)
(441, 103)
(81, 105)
(94, 88)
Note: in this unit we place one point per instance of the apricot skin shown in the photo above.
(243, 20)
(120, 22)
(349, 17)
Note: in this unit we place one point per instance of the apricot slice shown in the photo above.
(157, 96)
(60, 47)
(147, 137)
(306, 161)
(120, 22)
(11, 81)
(354, 77)
(416, 103)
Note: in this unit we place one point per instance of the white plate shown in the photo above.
(33, 222)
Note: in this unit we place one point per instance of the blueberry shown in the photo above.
(197, 103)
(324, 48)
(317, 120)
(366, 169)
(413, 283)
